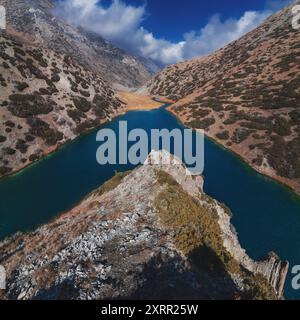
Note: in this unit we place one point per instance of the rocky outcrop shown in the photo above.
(245, 96)
(274, 270)
(149, 233)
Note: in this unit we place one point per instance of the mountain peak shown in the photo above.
(34, 21)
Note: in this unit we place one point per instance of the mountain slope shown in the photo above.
(34, 21)
(246, 96)
(47, 99)
(147, 234)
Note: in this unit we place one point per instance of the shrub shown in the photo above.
(19, 51)
(9, 151)
(2, 139)
(202, 124)
(76, 115)
(43, 130)
(282, 126)
(224, 135)
(55, 78)
(258, 161)
(86, 125)
(256, 287)
(200, 113)
(240, 135)
(5, 170)
(34, 71)
(100, 105)
(29, 138)
(21, 146)
(84, 93)
(284, 157)
(295, 117)
(38, 56)
(21, 86)
(26, 105)
(9, 124)
(82, 104)
(34, 157)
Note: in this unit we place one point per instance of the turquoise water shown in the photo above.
(266, 215)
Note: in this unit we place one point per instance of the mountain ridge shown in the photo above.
(47, 99)
(246, 96)
(151, 233)
(35, 21)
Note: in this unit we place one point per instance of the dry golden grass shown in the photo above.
(135, 101)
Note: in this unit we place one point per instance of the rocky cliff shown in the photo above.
(246, 96)
(149, 233)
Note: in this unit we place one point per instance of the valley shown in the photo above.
(259, 199)
(245, 96)
(73, 229)
(137, 101)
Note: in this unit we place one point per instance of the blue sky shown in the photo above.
(171, 19)
(169, 30)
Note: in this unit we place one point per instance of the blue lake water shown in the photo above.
(266, 215)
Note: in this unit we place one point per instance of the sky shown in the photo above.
(169, 31)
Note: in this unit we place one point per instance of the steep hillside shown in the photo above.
(34, 21)
(150, 233)
(47, 99)
(246, 96)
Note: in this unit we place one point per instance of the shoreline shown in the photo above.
(287, 183)
(52, 150)
(160, 101)
(135, 101)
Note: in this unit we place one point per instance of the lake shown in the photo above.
(266, 215)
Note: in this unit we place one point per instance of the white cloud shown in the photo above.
(112, 23)
(122, 24)
(216, 33)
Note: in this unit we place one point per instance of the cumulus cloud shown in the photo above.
(121, 24)
(113, 22)
(218, 33)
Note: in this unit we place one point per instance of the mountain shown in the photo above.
(47, 99)
(56, 82)
(151, 233)
(245, 96)
(35, 21)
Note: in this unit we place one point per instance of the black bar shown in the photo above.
(142, 309)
